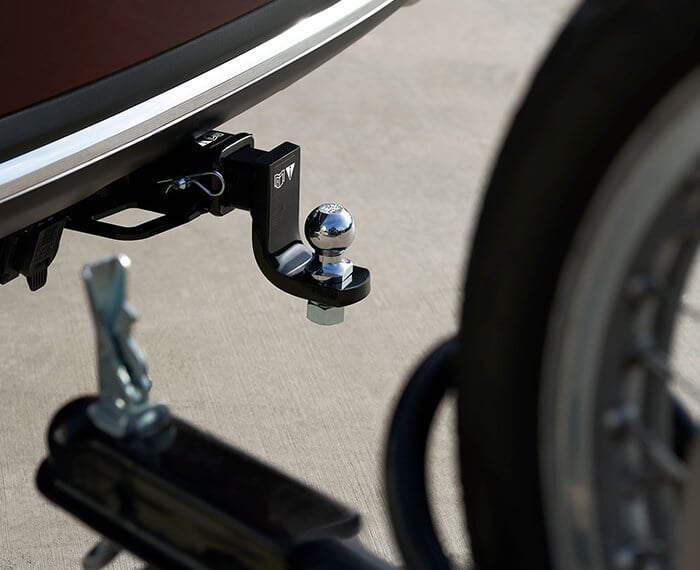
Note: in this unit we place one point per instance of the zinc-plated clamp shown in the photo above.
(123, 408)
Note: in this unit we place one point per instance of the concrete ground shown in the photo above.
(401, 128)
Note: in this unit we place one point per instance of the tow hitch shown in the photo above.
(217, 173)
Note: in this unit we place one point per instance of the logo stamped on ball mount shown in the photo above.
(284, 175)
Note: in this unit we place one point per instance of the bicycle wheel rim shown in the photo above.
(595, 516)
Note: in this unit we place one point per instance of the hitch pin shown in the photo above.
(186, 181)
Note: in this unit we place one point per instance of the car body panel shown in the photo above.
(55, 47)
(43, 180)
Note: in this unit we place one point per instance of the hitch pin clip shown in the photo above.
(186, 181)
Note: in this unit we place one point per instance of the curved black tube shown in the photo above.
(333, 554)
(405, 461)
(684, 430)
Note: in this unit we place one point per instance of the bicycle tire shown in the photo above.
(612, 63)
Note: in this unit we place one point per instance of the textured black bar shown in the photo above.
(184, 496)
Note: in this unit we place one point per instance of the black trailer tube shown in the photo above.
(405, 461)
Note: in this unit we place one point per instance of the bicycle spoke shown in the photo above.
(661, 455)
(625, 420)
(644, 556)
(690, 310)
(656, 362)
(687, 386)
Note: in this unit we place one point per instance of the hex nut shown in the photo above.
(323, 315)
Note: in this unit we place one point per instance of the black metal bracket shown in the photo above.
(155, 485)
(144, 190)
(31, 251)
(181, 498)
(270, 188)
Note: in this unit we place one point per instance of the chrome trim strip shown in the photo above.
(78, 150)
